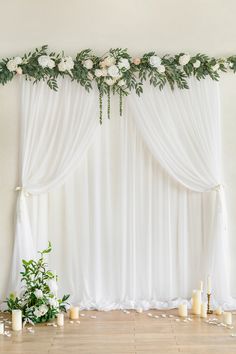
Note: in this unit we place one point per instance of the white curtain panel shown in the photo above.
(141, 221)
(182, 130)
(56, 130)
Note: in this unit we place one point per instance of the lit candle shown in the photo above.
(74, 313)
(204, 310)
(197, 300)
(183, 310)
(201, 286)
(16, 320)
(60, 319)
(1, 327)
(208, 284)
(227, 318)
(218, 311)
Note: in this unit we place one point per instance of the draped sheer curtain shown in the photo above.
(56, 130)
(142, 218)
(182, 130)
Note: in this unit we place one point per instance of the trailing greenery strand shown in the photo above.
(121, 103)
(100, 107)
(108, 102)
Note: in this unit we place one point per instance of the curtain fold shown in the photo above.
(56, 131)
(182, 130)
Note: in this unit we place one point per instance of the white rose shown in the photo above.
(37, 313)
(18, 60)
(161, 69)
(43, 60)
(66, 64)
(62, 66)
(196, 64)
(52, 284)
(98, 73)
(184, 59)
(38, 293)
(43, 309)
(51, 64)
(104, 72)
(124, 63)
(69, 63)
(227, 65)
(110, 82)
(215, 67)
(88, 64)
(53, 302)
(11, 65)
(121, 83)
(155, 61)
(113, 71)
(109, 61)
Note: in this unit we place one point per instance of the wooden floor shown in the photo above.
(117, 332)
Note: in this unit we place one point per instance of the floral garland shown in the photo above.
(116, 71)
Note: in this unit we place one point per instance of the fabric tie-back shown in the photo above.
(181, 129)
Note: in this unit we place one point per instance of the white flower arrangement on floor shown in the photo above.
(115, 71)
(38, 300)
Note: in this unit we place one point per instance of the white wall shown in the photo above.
(140, 25)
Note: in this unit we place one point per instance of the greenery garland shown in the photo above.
(116, 71)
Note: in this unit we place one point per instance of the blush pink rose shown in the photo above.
(136, 61)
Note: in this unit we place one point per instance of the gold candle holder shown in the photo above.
(209, 311)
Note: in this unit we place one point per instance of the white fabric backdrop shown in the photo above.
(56, 129)
(125, 234)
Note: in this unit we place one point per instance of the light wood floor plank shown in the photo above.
(115, 332)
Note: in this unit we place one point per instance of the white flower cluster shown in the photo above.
(184, 59)
(41, 311)
(50, 299)
(66, 64)
(112, 71)
(12, 65)
(46, 62)
(88, 64)
(155, 62)
(197, 64)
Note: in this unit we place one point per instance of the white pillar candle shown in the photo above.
(60, 319)
(140, 310)
(74, 313)
(203, 309)
(201, 286)
(218, 311)
(227, 318)
(183, 310)
(16, 320)
(197, 300)
(208, 284)
(1, 327)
